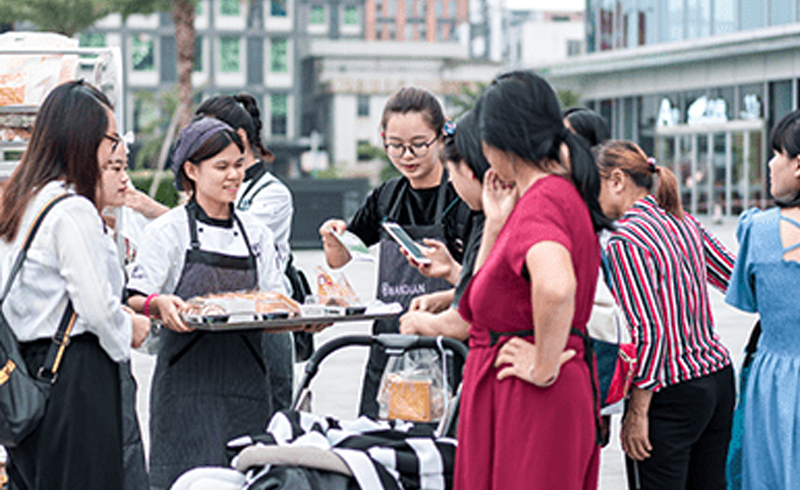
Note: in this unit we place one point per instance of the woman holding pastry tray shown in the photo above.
(208, 387)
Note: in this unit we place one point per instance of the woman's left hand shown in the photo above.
(520, 356)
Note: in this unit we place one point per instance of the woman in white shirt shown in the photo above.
(208, 387)
(78, 444)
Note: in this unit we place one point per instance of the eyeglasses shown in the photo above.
(115, 141)
(418, 150)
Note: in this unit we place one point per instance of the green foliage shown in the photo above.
(568, 98)
(466, 100)
(389, 171)
(330, 173)
(160, 108)
(67, 17)
(166, 193)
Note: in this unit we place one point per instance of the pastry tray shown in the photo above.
(281, 321)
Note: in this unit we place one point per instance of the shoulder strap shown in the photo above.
(247, 200)
(56, 351)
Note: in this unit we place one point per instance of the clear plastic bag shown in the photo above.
(414, 387)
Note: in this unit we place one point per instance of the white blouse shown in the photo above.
(67, 259)
(273, 207)
(160, 258)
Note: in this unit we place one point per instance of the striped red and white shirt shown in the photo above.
(658, 268)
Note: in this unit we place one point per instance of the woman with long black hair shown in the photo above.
(528, 409)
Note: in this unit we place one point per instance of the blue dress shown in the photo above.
(764, 282)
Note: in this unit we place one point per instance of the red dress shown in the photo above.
(512, 434)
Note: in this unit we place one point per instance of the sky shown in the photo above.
(546, 4)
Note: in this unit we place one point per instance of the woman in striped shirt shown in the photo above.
(677, 423)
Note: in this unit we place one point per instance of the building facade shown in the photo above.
(414, 20)
(698, 84)
(536, 37)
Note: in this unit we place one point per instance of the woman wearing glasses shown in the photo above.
(421, 200)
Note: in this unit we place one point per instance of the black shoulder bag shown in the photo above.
(23, 397)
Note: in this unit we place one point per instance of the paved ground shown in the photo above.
(336, 387)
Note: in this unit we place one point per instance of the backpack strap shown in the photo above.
(55, 352)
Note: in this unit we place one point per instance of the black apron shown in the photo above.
(208, 387)
(399, 282)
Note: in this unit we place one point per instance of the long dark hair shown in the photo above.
(631, 159)
(238, 111)
(786, 137)
(413, 99)
(520, 114)
(588, 124)
(465, 144)
(69, 128)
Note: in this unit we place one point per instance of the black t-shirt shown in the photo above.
(419, 208)
(470, 254)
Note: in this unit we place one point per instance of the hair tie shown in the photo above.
(652, 162)
(449, 128)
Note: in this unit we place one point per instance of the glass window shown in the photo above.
(781, 12)
(606, 25)
(198, 9)
(317, 14)
(277, 8)
(350, 15)
(198, 54)
(629, 27)
(751, 101)
(647, 32)
(671, 20)
(411, 8)
(647, 108)
(780, 100)
(143, 53)
(93, 40)
(724, 17)
(279, 109)
(753, 13)
(229, 7)
(363, 105)
(722, 102)
(574, 47)
(698, 19)
(439, 8)
(229, 54)
(453, 10)
(278, 55)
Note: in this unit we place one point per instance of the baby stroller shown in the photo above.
(303, 451)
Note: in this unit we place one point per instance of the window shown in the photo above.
(350, 15)
(363, 105)
(143, 53)
(278, 56)
(198, 54)
(279, 109)
(277, 8)
(198, 9)
(229, 54)
(752, 14)
(93, 40)
(317, 14)
(574, 47)
(781, 12)
(229, 7)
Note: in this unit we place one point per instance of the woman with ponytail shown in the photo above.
(659, 259)
(529, 416)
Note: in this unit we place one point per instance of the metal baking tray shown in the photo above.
(282, 321)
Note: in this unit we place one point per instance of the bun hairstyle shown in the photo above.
(465, 145)
(413, 99)
(643, 171)
(588, 124)
(520, 114)
(785, 137)
(239, 112)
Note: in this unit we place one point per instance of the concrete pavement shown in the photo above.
(337, 386)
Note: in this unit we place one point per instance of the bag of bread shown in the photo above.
(413, 387)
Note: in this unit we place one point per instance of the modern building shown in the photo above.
(414, 20)
(536, 37)
(698, 84)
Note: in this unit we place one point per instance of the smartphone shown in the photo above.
(405, 241)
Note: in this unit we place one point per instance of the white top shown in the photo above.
(62, 262)
(273, 207)
(160, 258)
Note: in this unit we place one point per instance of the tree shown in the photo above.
(182, 13)
(67, 17)
(466, 100)
(568, 98)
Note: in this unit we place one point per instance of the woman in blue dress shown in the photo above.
(766, 279)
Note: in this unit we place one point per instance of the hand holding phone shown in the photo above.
(405, 241)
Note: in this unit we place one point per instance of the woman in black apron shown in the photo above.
(208, 387)
(421, 201)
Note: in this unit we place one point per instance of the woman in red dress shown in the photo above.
(528, 413)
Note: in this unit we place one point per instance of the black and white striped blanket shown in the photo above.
(391, 455)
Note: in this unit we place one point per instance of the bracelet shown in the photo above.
(147, 304)
(547, 383)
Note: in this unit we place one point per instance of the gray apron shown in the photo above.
(399, 282)
(208, 387)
